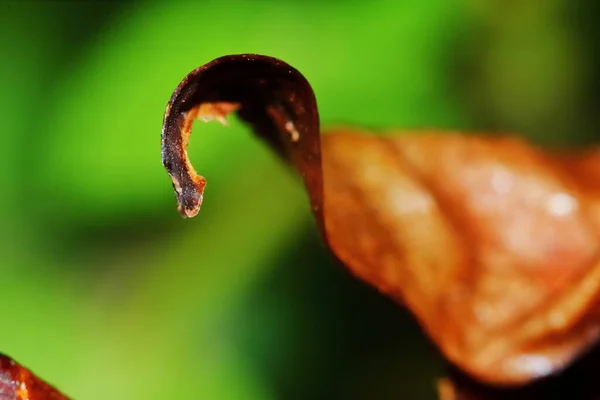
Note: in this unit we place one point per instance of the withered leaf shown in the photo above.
(271, 96)
(491, 242)
(18, 383)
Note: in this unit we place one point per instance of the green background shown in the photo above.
(109, 294)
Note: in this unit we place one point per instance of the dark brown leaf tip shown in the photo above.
(18, 383)
(268, 94)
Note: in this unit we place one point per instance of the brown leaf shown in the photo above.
(273, 97)
(492, 243)
(18, 383)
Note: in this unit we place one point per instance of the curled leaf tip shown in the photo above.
(187, 184)
(268, 94)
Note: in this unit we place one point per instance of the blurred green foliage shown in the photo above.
(109, 294)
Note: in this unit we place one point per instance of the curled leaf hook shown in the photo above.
(268, 94)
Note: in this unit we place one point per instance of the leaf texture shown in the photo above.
(491, 243)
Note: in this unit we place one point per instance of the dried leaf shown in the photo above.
(274, 98)
(492, 243)
(18, 383)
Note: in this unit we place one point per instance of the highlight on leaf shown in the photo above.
(18, 383)
(492, 243)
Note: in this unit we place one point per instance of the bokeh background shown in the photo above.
(109, 294)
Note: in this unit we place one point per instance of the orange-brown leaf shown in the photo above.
(18, 383)
(490, 242)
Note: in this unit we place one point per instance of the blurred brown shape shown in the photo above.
(492, 243)
(18, 383)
